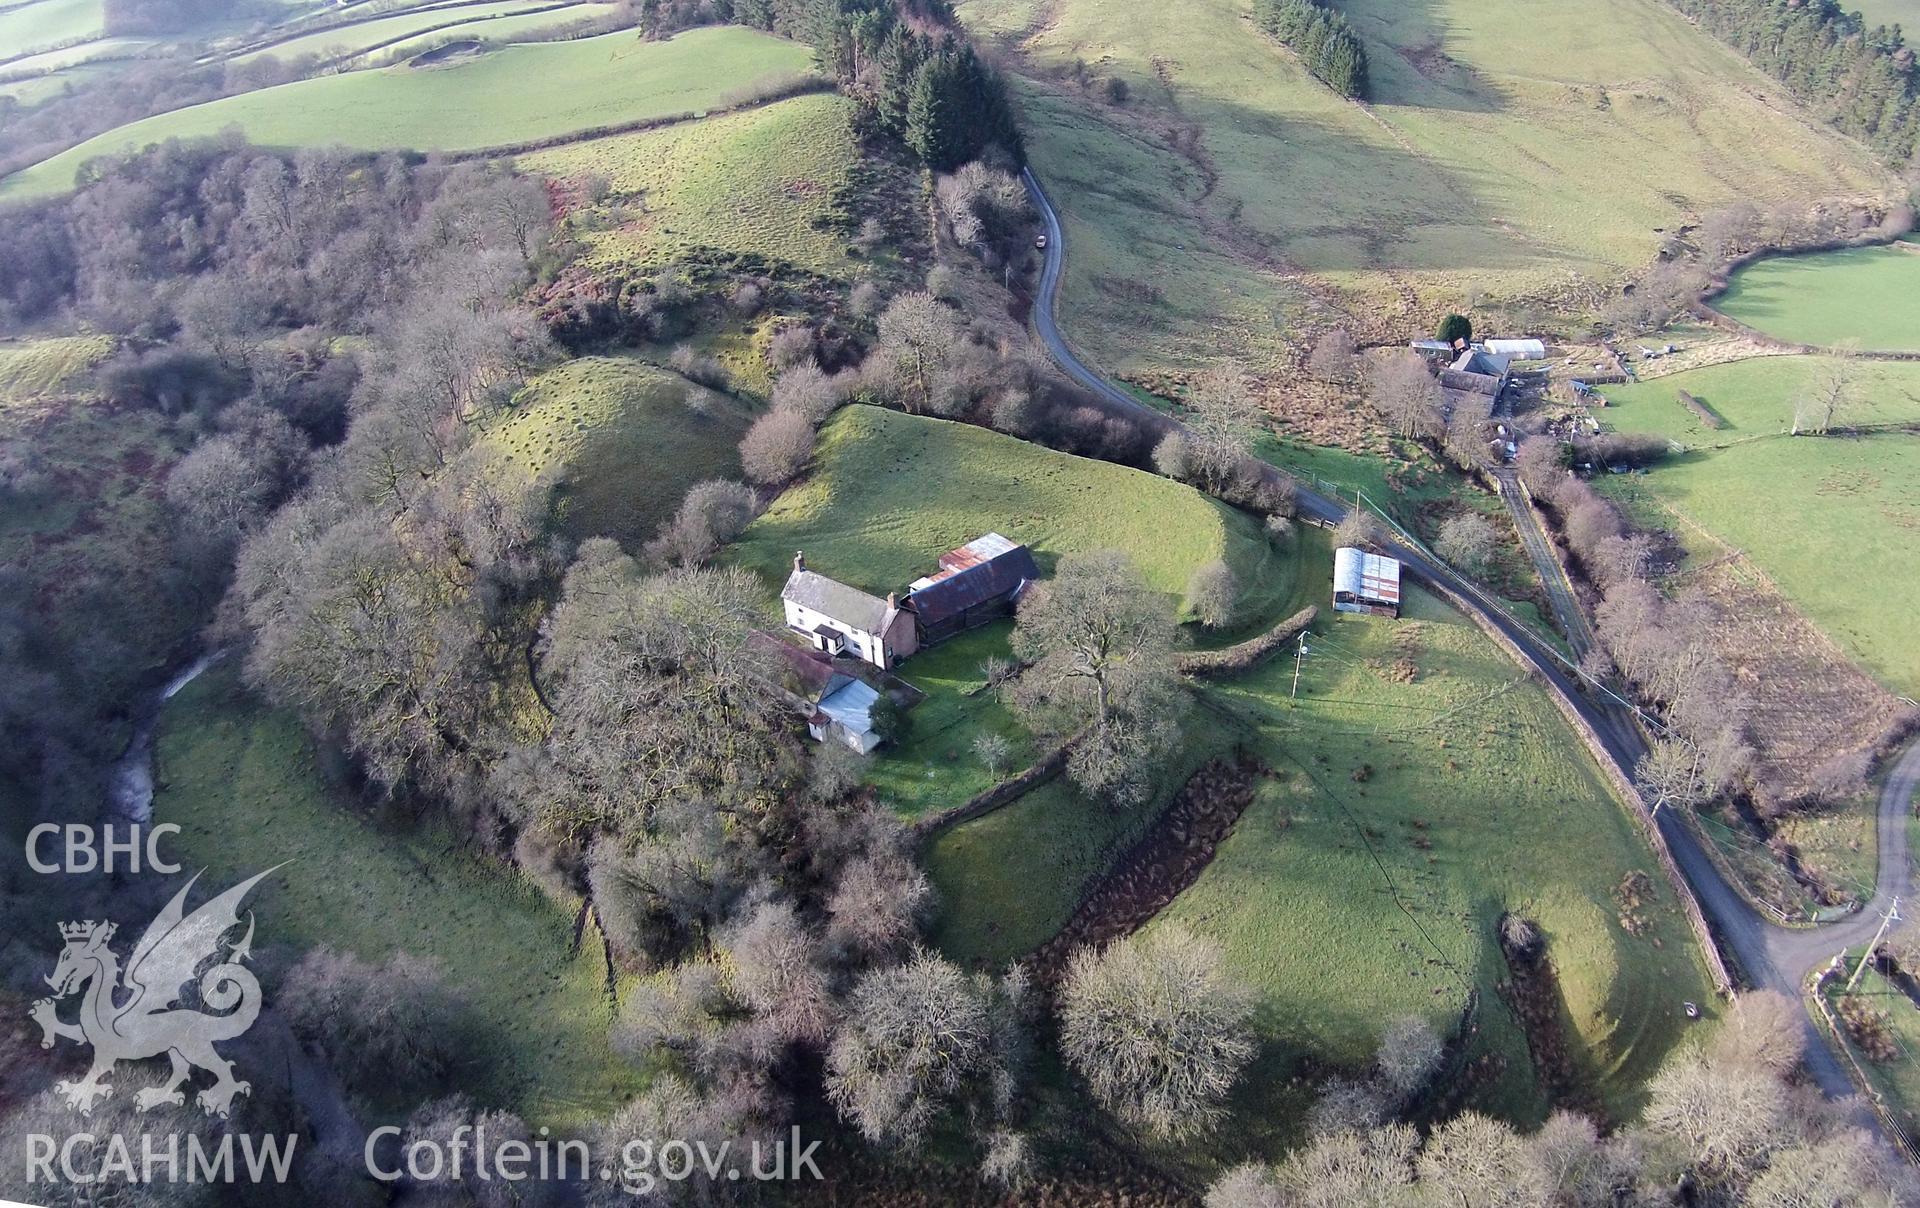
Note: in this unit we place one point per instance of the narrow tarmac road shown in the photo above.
(1767, 955)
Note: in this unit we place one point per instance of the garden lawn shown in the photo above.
(933, 766)
(889, 493)
(511, 95)
(763, 181)
(1869, 295)
(241, 781)
(1510, 172)
(44, 24)
(1424, 786)
(345, 40)
(620, 442)
(1793, 505)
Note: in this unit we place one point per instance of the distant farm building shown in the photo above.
(1519, 350)
(1364, 582)
(981, 581)
(837, 619)
(1478, 372)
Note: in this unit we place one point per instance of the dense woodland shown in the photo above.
(1860, 77)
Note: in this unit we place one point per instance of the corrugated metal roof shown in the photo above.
(1366, 576)
(969, 581)
(851, 704)
(832, 598)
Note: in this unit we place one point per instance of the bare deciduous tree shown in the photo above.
(1100, 644)
(1157, 1030)
(919, 337)
(1468, 541)
(913, 1039)
(1213, 593)
(712, 514)
(777, 447)
(1333, 357)
(1404, 392)
(877, 903)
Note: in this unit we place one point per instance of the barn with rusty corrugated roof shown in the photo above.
(981, 581)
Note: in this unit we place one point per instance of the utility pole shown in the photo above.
(1892, 916)
(1300, 652)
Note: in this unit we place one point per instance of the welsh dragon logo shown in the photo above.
(134, 1015)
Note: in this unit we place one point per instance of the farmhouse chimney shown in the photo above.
(893, 600)
(799, 560)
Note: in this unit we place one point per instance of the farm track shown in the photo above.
(1769, 956)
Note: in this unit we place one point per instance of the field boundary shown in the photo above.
(1047, 767)
(1248, 654)
(1888, 1121)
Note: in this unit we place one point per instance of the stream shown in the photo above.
(130, 784)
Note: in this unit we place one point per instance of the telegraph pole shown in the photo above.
(1300, 652)
(1892, 916)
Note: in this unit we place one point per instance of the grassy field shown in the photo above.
(1904, 13)
(47, 23)
(890, 492)
(514, 94)
(619, 439)
(32, 369)
(1414, 742)
(1790, 503)
(1424, 786)
(1486, 169)
(241, 781)
(346, 40)
(1870, 295)
(761, 182)
(505, 28)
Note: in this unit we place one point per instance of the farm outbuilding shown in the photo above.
(1364, 582)
(1519, 350)
(981, 581)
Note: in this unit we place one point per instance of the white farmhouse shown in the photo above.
(839, 619)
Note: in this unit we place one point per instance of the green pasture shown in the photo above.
(1423, 786)
(31, 369)
(889, 493)
(1904, 13)
(49, 23)
(1868, 295)
(348, 39)
(504, 28)
(617, 438)
(243, 782)
(510, 95)
(762, 181)
(1489, 168)
(1007, 883)
(1796, 506)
